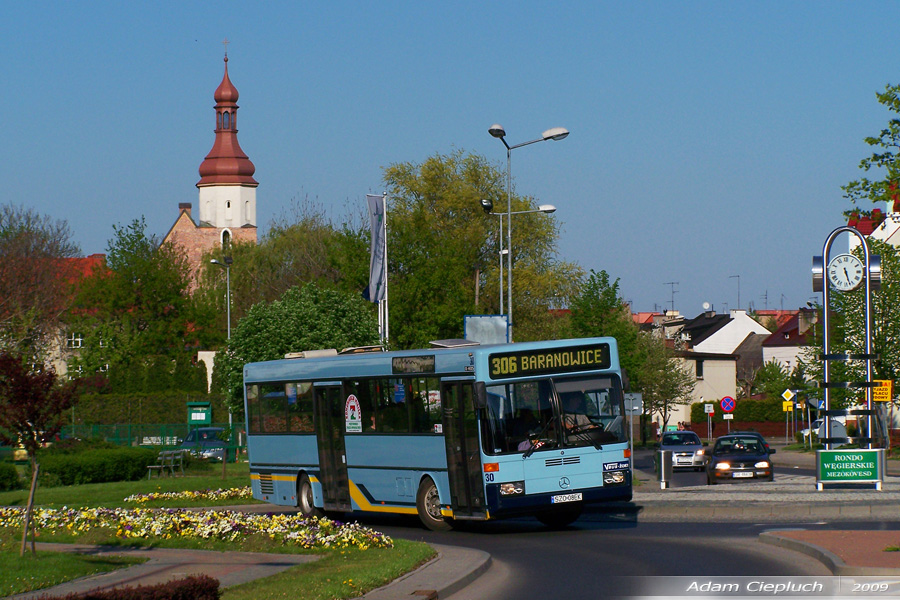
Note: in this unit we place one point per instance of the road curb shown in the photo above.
(829, 559)
(450, 571)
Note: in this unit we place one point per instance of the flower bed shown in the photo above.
(225, 525)
(241, 493)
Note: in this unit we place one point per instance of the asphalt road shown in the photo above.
(599, 557)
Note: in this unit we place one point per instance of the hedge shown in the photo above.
(744, 410)
(196, 587)
(159, 407)
(9, 477)
(96, 466)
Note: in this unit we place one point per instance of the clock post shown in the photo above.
(845, 273)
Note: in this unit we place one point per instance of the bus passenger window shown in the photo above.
(253, 409)
(300, 407)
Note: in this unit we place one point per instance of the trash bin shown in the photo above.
(664, 472)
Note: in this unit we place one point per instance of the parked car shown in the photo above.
(205, 442)
(838, 429)
(739, 457)
(687, 450)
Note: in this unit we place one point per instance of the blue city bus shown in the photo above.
(466, 432)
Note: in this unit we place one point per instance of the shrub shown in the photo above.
(96, 466)
(9, 477)
(198, 587)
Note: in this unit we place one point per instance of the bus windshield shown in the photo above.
(553, 413)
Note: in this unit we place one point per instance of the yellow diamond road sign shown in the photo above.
(788, 395)
(882, 393)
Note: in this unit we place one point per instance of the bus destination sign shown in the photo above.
(548, 361)
(413, 364)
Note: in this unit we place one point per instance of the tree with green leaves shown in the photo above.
(599, 310)
(884, 160)
(443, 252)
(666, 379)
(35, 286)
(847, 326)
(137, 315)
(307, 318)
(301, 246)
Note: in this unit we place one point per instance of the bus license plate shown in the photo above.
(565, 498)
(746, 474)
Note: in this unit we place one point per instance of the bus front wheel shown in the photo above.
(428, 505)
(305, 498)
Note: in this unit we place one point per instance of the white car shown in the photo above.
(837, 429)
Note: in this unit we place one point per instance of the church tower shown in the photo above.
(227, 187)
(227, 210)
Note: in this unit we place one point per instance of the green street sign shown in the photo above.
(850, 465)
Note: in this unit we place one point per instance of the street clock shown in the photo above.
(845, 272)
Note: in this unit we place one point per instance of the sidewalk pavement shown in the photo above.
(790, 498)
(450, 571)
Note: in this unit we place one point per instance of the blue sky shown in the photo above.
(708, 139)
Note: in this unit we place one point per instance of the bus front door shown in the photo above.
(463, 456)
(332, 456)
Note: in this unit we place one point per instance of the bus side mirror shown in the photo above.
(480, 395)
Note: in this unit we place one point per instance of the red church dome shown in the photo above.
(226, 163)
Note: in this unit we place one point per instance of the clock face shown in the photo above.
(845, 272)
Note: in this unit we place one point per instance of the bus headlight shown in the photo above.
(513, 488)
(613, 477)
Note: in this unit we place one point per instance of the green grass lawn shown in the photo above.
(112, 495)
(340, 573)
(19, 574)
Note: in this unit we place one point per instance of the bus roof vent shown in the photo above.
(312, 353)
(457, 343)
(362, 349)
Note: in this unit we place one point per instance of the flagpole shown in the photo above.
(386, 331)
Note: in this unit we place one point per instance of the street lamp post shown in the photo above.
(227, 266)
(488, 207)
(556, 133)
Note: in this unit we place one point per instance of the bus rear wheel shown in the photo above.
(559, 518)
(305, 498)
(428, 505)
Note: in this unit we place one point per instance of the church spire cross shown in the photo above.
(225, 43)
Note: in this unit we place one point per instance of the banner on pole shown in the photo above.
(375, 291)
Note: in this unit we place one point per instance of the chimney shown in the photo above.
(184, 207)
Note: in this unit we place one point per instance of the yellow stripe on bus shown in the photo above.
(356, 495)
(364, 504)
(278, 477)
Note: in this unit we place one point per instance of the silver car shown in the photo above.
(688, 451)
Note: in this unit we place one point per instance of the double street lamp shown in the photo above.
(226, 264)
(488, 206)
(556, 133)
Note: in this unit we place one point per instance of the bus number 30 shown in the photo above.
(488, 477)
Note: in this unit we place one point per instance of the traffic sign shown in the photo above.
(728, 416)
(709, 409)
(727, 404)
(882, 393)
(821, 405)
(634, 403)
(787, 406)
(788, 395)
